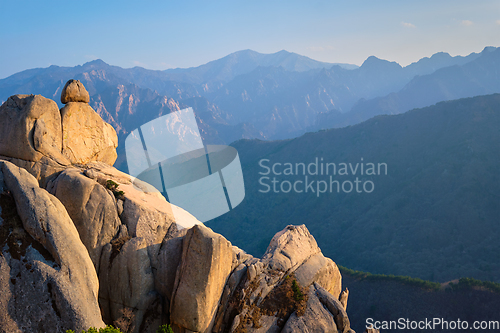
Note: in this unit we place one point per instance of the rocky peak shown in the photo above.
(290, 247)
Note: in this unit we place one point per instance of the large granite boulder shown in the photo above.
(335, 307)
(128, 285)
(48, 281)
(31, 129)
(289, 248)
(204, 268)
(321, 270)
(169, 257)
(91, 207)
(85, 136)
(133, 238)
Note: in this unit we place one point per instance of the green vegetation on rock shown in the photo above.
(107, 329)
(164, 329)
(297, 293)
(113, 187)
(111, 329)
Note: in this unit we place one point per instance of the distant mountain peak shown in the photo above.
(242, 52)
(489, 49)
(440, 55)
(374, 62)
(243, 62)
(95, 63)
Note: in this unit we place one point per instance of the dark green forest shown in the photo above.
(434, 216)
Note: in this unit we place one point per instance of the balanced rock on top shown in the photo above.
(74, 91)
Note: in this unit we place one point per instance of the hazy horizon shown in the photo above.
(163, 35)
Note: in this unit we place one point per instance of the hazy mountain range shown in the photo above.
(218, 72)
(238, 97)
(478, 76)
(434, 215)
(267, 96)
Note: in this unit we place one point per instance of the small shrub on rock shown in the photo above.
(164, 329)
(297, 293)
(113, 187)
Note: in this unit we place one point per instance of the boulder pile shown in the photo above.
(82, 246)
(44, 140)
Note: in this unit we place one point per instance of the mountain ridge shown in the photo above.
(477, 76)
(268, 102)
(241, 62)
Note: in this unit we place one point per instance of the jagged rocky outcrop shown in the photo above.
(47, 279)
(84, 246)
(262, 297)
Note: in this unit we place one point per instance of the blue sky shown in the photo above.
(169, 34)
